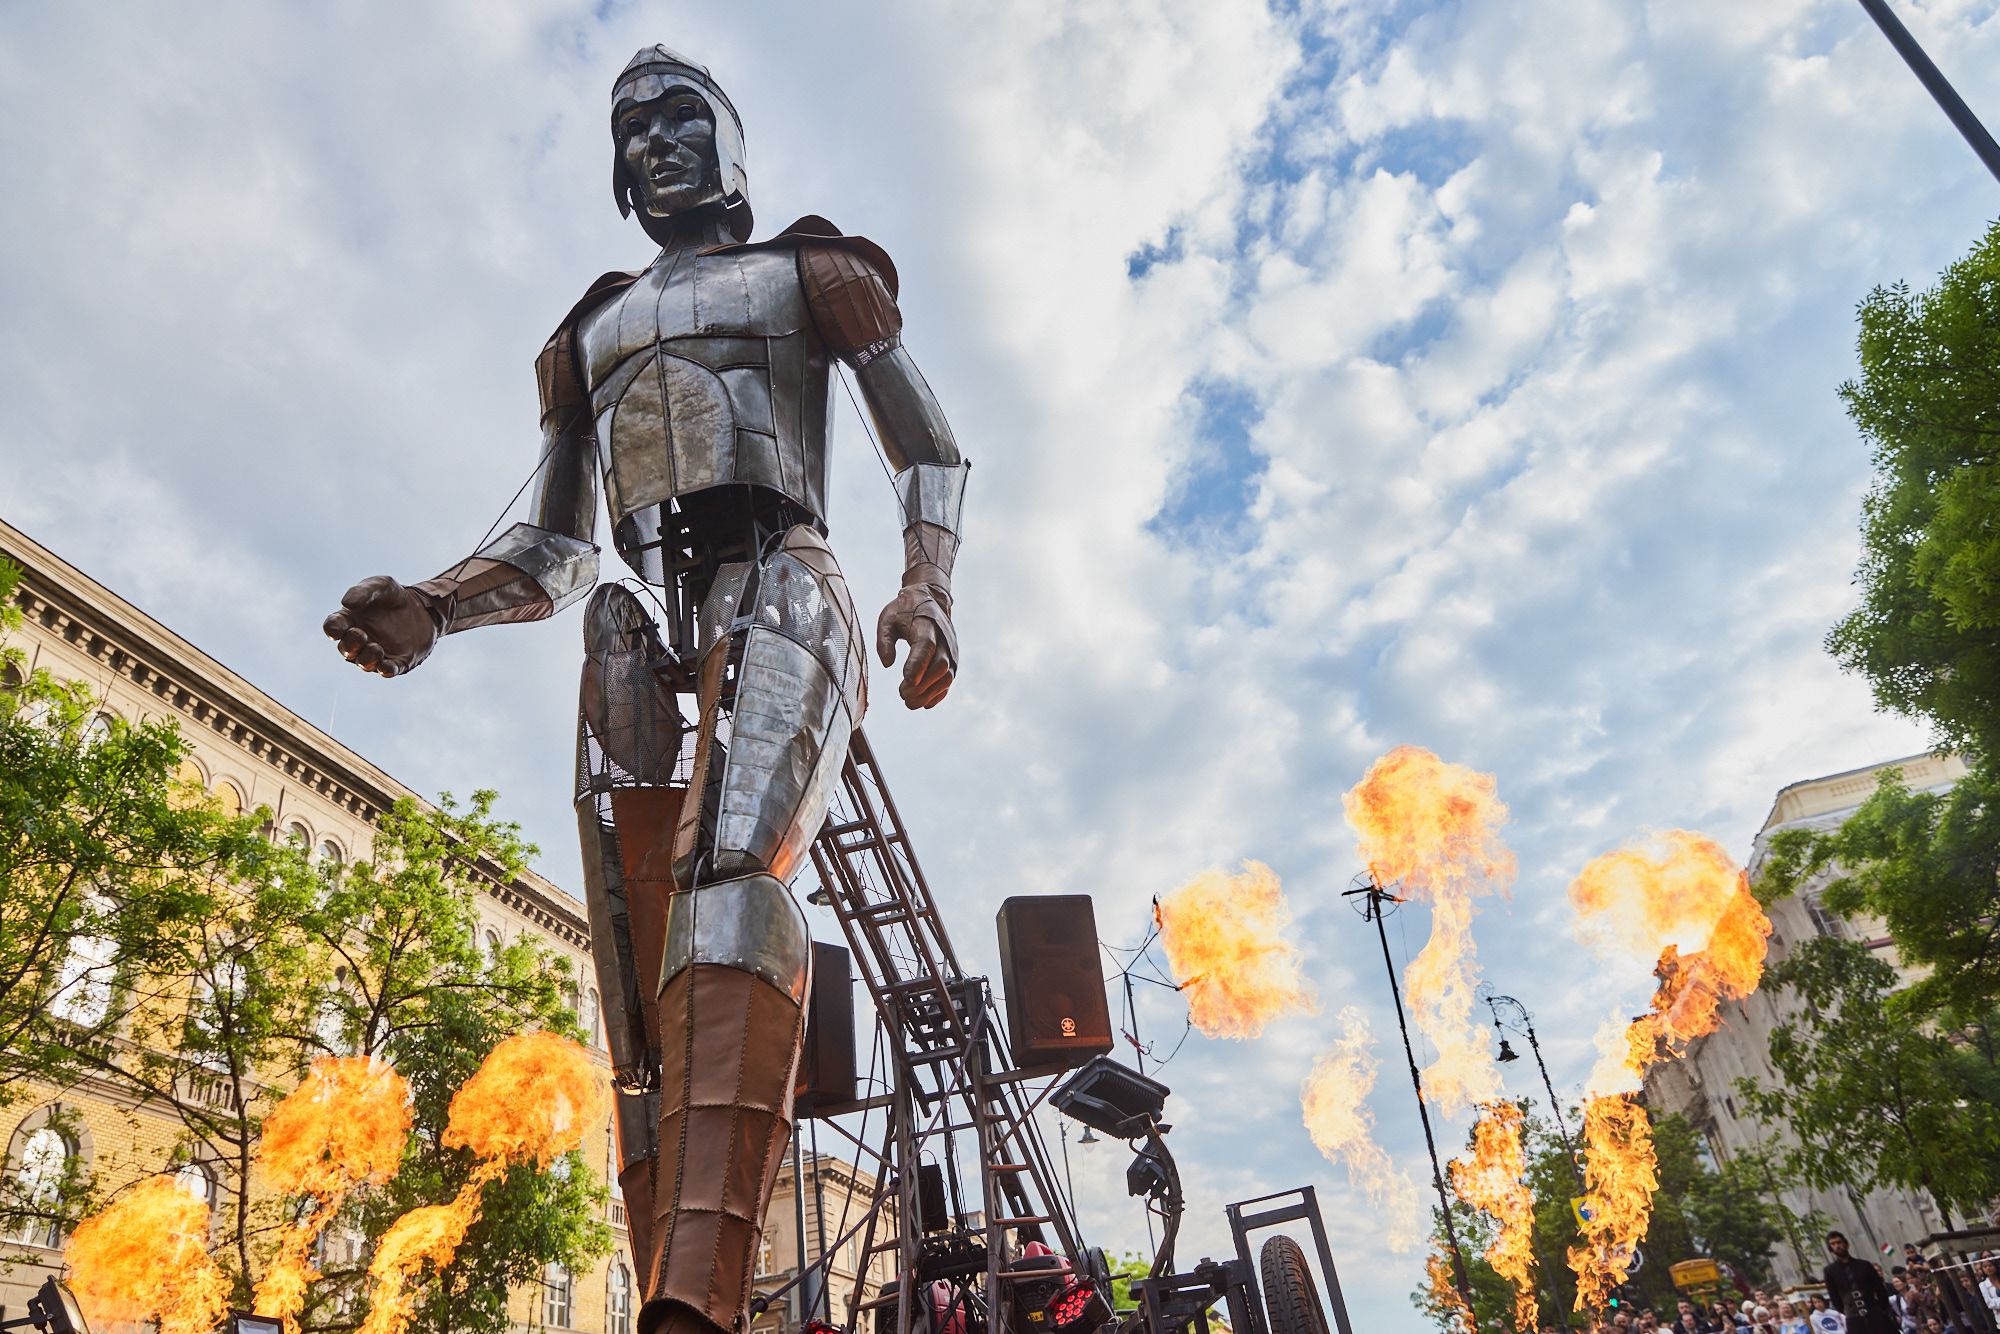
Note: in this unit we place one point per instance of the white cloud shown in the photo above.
(1536, 309)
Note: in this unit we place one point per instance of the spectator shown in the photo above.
(1760, 1320)
(1989, 1288)
(1691, 1321)
(1791, 1320)
(1649, 1321)
(1857, 1291)
(1899, 1303)
(1824, 1319)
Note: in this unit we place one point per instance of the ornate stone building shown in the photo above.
(1703, 1084)
(250, 751)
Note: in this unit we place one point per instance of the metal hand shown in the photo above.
(383, 627)
(916, 617)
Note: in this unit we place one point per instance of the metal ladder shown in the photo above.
(950, 1070)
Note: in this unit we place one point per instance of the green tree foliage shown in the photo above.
(1725, 1212)
(150, 942)
(1872, 1097)
(1927, 632)
(109, 869)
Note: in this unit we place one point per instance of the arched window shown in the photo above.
(329, 858)
(492, 943)
(618, 1299)
(298, 835)
(41, 1163)
(83, 982)
(230, 798)
(97, 729)
(558, 1294)
(588, 1020)
(611, 1165)
(198, 1180)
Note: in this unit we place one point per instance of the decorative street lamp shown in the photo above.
(1510, 1015)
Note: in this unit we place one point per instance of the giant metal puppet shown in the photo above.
(700, 388)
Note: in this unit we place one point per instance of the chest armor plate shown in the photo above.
(707, 372)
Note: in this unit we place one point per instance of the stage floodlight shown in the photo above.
(1112, 1098)
(243, 1322)
(53, 1310)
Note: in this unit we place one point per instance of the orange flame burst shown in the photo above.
(145, 1257)
(344, 1127)
(1491, 1177)
(1444, 1292)
(1620, 1176)
(1228, 941)
(532, 1100)
(1434, 828)
(1685, 903)
(1335, 1097)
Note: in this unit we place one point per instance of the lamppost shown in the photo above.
(1509, 1015)
(1933, 79)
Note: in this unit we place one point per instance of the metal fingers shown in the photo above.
(750, 923)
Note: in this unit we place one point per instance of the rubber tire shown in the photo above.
(1291, 1297)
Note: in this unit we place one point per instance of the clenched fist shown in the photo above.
(384, 627)
(917, 617)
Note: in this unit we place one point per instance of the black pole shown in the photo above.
(1575, 1167)
(1933, 79)
(1376, 894)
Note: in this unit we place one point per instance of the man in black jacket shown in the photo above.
(1856, 1290)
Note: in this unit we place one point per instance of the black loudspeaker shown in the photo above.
(931, 1210)
(1054, 986)
(826, 1070)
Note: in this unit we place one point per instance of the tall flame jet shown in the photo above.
(1337, 1117)
(1228, 940)
(1491, 1176)
(344, 1127)
(1681, 901)
(1434, 828)
(531, 1101)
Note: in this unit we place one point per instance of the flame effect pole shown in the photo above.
(1376, 897)
(1934, 81)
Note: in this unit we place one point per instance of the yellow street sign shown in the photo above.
(1696, 1273)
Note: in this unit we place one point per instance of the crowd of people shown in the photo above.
(1921, 1295)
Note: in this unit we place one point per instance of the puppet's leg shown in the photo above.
(782, 680)
(629, 733)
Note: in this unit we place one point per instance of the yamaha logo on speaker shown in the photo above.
(1068, 1026)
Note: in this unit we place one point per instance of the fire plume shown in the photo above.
(531, 1101)
(1620, 1176)
(1228, 941)
(344, 1127)
(1443, 1287)
(1335, 1097)
(1683, 904)
(1434, 828)
(145, 1257)
(1686, 905)
(1492, 1177)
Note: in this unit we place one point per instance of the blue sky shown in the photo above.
(1337, 374)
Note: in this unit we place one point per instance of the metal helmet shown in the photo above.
(652, 73)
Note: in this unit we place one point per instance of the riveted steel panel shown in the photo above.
(751, 923)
